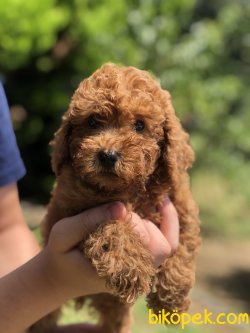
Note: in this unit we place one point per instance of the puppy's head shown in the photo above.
(120, 131)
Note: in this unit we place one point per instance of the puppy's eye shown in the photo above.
(139, 125)
(93, 122)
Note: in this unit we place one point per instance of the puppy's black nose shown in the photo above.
(108, 158)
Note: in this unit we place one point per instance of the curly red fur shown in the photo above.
(151, 163)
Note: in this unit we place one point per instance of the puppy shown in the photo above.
(121, 141)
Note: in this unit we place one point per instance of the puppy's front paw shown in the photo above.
(119, 257)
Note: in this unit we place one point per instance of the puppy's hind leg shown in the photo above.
(172, 283)
(46, 324)
(114, 315)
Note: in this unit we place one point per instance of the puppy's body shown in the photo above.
(120, 141)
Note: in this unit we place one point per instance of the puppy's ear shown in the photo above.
(60, 147)
(178, 150)
(177, 155)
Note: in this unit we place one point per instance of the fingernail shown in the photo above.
(116, 210)
(165, 202)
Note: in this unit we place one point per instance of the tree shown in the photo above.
(200, 51)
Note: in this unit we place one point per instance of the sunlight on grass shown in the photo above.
(70, 315)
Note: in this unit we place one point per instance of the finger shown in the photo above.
(152, 238)
(158, 245)
(68, 232)
(139, 227)
(169, 223)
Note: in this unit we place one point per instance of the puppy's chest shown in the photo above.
(141, 203)
(79, 198)
(145, 207)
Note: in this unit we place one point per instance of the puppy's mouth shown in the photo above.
(107, 180)
(109, 173)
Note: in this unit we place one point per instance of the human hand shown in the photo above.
(64, 264)
(161, 242)
(67, 266)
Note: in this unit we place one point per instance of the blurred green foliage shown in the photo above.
(199, 49)
(28, 29)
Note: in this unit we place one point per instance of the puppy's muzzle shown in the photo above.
(108, 158)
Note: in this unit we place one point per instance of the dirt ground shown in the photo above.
(222, 279)
(223, 282)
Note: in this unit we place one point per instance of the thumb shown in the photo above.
(69, 231)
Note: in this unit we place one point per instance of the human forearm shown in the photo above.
(27, 294)
(18, 244)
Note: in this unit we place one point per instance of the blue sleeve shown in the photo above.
(11, 164)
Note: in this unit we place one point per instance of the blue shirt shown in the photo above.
(11, 164)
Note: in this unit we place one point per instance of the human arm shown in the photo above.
(17, 243)
(57, 273)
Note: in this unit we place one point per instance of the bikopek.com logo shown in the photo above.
(206, 318)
